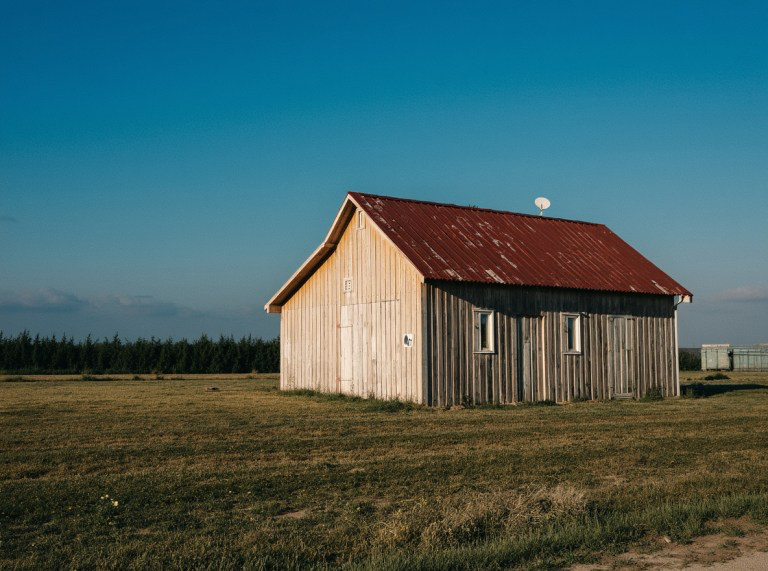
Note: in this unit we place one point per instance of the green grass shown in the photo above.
(251, 477)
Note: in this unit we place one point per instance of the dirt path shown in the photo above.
(753, 562)
(739, 546)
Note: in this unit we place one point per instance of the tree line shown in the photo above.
(24, 354)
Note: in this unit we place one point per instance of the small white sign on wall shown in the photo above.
(408, 340)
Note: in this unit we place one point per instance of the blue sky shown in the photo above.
(164, 167)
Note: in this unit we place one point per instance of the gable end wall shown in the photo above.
(384, 304)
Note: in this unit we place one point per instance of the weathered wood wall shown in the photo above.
(529, 362)
(320, 342)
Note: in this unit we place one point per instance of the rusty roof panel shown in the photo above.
(459, 243)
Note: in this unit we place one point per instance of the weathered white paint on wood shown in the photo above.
(346, 349)
(334, 340)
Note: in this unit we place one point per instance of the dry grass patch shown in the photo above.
(429, 523)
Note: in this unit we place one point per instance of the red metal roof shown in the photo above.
(460, 243)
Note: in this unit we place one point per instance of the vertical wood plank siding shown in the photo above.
(384, 304)
(621, 334)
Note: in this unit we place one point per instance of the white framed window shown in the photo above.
(572, 333)
(360, 219)
(484, 331)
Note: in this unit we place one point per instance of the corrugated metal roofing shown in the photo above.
(459, 243)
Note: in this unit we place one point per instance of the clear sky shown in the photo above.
(164, 167)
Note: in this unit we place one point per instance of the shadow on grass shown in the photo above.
(703, 390)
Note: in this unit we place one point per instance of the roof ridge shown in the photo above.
(477, 208)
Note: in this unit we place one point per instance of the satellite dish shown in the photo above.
(542, 204)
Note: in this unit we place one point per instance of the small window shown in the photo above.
(484, 330)
(360, 220)
(572, 333)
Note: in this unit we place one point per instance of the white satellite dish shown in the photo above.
(542, 204)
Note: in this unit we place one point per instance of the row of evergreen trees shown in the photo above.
(24, 354)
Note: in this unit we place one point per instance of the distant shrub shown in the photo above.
(717, 377)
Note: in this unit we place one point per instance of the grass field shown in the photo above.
(166, 474)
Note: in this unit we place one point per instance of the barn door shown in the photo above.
(347, 350)
(528, 359)
(621, 360)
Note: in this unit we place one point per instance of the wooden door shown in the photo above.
(621, 362)
(346, 350)
(528, 359)
(370, 347)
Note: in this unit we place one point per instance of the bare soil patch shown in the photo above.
(737, 545)
(293, 514)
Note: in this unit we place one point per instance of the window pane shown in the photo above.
(571, 343)
(484, 332)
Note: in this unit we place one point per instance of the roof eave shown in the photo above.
(670, 293)
(276, 302)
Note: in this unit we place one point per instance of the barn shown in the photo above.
(443, 304)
